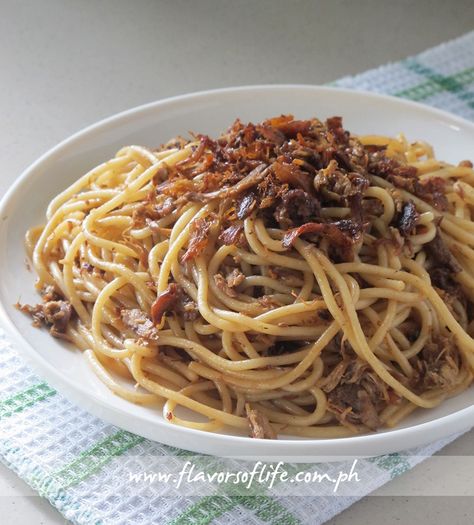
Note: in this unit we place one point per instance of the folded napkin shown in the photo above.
(95, 473)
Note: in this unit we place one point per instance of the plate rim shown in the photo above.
(64, 385)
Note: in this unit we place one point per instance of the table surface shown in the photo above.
(67, 64)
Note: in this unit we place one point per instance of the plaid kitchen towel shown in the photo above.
(94, 473)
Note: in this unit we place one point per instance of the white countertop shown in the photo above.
(67, 64)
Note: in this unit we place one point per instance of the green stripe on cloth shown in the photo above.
(393, 463)
(211, 507)
(205, 510)
(431, 87)
(454, 84)
(24, 399)
(268, 509)
(96, 457)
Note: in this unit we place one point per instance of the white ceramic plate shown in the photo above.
(209, 112)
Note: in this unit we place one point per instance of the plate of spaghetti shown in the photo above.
(283, 271)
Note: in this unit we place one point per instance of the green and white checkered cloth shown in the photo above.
(82, 465)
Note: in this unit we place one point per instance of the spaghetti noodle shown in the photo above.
(288, 277)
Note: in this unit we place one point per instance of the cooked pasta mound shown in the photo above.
(287, 278)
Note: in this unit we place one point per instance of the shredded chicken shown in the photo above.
(408, 219)
(140, 324)
(54, 314)
(233, 235)
(437, 365)
(443, 267)
(297, 207)
(260, 427)
(199, 237)
(355, 392)
(343, 235)
(431, 190)
(227, 284)
(173, 299)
